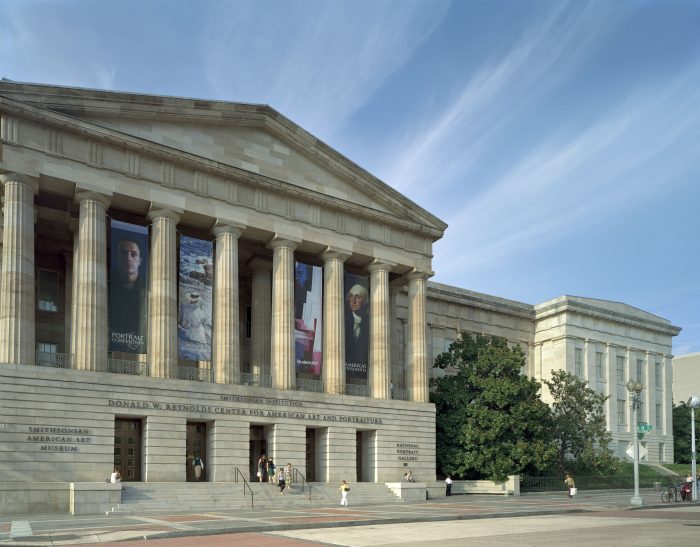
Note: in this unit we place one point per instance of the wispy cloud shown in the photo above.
(492, 98)
(635, 151)
(318, 62)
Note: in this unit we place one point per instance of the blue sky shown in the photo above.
(560, 141)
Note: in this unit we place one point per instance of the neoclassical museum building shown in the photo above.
(187, 277)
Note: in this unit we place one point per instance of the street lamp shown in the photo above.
(693, 402)
(635, 388)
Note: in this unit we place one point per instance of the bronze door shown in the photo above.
(127, 448)
(311, 455)
(196, 444)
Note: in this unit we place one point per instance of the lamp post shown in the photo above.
(693, 402)
(635, 388)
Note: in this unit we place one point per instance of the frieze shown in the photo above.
(253, 412)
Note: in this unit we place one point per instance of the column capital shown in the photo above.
(22, 179)
(225, 227)
(158, 212)
(335, 253)
(258, 262)
(418, 274)
(278, 241)
(87, 195)
(379, 265)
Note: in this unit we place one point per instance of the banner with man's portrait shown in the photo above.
(356, 325)
(308, 311)
(194, 323)
(128, 287)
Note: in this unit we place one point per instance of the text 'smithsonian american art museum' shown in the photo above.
(185, 277)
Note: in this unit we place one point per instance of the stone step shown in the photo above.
(160, 498)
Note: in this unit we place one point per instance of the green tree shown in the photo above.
(490, 420)
(681, 433)
(579, 426)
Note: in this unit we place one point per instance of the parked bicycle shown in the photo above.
(680, 491)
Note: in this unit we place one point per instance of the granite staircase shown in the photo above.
(205, 497)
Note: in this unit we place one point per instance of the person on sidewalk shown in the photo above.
(280, 481)
(262, 468)
(288, 475)
(198, 464)
(569, 481)
(448, 486)
(271, 471)
(344, 489)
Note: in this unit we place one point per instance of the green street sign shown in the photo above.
(643, 428)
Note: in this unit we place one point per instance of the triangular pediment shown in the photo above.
(251, 138)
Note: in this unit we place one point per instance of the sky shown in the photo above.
(559, 141)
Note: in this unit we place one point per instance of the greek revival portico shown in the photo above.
(267, 202)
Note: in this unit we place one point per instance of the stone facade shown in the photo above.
(686, 377)
(266, 193)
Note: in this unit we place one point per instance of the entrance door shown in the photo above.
(258, 447)
(127, 448)
(311, 455)
(196, 444)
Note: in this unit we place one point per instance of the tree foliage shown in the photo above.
(681, 433)
(579, 425)
(491, 422)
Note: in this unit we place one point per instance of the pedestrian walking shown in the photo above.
(570, 484)
(448, 486)
(271, 471)
(288, 475)
(198, 465)
(344, 489)
(262, 468)
(280, 481)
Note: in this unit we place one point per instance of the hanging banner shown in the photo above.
(356, 325)
(308, 308)
(195, 297)
(128, 289)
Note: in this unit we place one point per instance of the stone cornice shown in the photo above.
(438, 291)
(565, 304)
(259, 115)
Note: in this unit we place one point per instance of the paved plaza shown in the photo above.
(595, 518)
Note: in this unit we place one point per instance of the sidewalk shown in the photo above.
(66, 529)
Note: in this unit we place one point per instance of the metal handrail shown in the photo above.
(245, 484)
(296, 473)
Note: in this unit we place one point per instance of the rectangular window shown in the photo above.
(47, 288)
(640, 370)
(620, 367)
(599, 367)
(578, 362)
(46, 354)
(657, 375)
(248, 322)
(662, 449)
(657, 423)
(621, 413)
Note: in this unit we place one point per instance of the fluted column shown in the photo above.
(282, 346)
(417, 336)
(162, 318)
(226, 358)
(333, 322)
(397, 377)
(17, 300)
(89, 322)
(261, 317)
(379, 345)
(74, 226)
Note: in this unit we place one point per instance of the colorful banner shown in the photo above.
(308, 308)
(128, 289)
(356, 325)
(194, 307)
